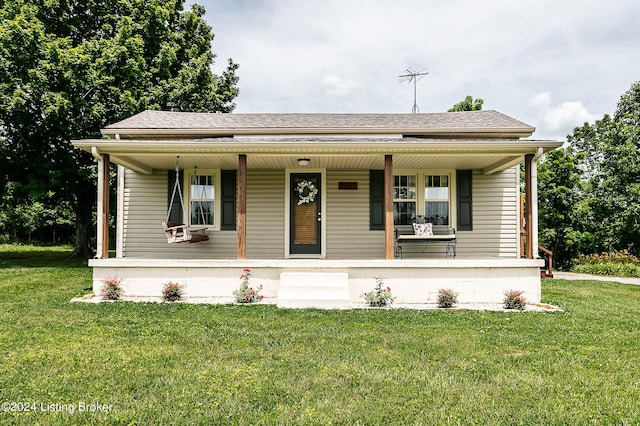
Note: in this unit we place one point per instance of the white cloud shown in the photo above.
(337, 56)
(334, 85)
(559, 120)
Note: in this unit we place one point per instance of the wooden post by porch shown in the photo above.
(528, 194)
(242, 206)
(104, 249)
(389, 249)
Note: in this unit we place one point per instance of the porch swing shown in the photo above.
(181, 232)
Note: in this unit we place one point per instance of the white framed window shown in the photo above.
(425, 193)
(405, 199)
(437, 199)
(203, 198)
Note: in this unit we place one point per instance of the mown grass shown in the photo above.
(198, 364)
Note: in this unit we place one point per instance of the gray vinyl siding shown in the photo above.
(145, 207)
(265, 214)
(348, 234)
(495, 216)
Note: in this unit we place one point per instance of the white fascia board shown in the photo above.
(131, 146)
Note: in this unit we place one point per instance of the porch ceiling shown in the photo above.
(145, 156)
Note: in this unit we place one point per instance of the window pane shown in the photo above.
(436, 187)
(437, 212)
(404, 187)
(202, 188)
(436, 193)
(202, 194)
(437, 181)
(202, 213)
(404, 213)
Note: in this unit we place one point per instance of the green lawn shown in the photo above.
(197, 364)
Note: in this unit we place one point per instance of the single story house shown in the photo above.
(319, 205)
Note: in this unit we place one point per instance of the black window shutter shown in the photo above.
(175, 215)
(465, 206)
(376, 200)
(228, 193)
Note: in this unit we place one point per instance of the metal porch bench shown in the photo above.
(441, 237)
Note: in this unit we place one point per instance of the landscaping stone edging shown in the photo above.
(537, 307)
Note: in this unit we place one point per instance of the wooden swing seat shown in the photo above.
(180, 233)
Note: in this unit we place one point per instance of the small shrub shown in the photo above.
(172, 292)
(447, 298)
(380, 296)
(246, 293)
(111, 289)
(513, 299)
(617, 263)
(622, 256)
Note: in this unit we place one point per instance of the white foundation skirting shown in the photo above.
(412, 281)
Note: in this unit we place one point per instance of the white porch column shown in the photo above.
(120, 211)
(531, 203)
(102, 231)
(99, 208)
(104, 212)
(534, 203)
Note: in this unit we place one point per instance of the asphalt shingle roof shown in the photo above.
(159, 120)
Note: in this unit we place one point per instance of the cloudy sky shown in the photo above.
(552, 64)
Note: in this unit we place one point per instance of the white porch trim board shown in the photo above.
(412, 281)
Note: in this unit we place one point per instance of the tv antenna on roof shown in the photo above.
(414, 76)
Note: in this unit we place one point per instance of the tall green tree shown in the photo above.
(70, 67)
(468, 104)
(564, 214)
(612, 166)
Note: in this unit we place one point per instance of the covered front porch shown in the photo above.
(348, 216)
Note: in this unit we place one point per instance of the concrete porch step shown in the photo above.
(323, 290)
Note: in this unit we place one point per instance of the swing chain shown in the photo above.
(176, 187)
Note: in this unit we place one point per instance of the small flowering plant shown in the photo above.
(172, 292)
(513, 299)
(380, 296)
(111, 290)
(246, 293)
(447, 298)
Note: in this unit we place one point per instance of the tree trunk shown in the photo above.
(84, 227)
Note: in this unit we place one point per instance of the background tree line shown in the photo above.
(589, 190)
(67, 69)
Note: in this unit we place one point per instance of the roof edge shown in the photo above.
(230, 132)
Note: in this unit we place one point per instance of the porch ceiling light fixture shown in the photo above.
(303, 162)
